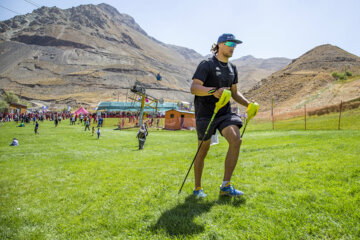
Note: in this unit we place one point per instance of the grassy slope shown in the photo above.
(350, 120)
(68, 185)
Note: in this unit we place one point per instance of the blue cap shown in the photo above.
(228, 37)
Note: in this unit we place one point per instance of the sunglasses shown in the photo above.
(230, 44)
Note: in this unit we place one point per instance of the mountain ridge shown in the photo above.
(308, 80)
(94, 41)
(92, 53)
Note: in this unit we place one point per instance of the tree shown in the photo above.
(4, 106)
(24, 102)
(10, 97)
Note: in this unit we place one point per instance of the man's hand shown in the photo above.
(219, 92)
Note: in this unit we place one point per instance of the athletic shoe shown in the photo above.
(229, 190)
(199, 193)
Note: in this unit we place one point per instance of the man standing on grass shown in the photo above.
(211, 77)
(87, 124)
(36, 128)
(98, 132)
(141, 135)
(56, 121)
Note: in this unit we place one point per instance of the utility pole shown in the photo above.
(142, 108)
(20, 92)
(340, 115)
(272, 112)
(305, 115)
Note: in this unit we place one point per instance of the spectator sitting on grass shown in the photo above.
(14, 142)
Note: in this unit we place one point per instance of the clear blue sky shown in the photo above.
(272, 28)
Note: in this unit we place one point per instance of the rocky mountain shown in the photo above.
(88, 54)
(252, 70)
(92, 53)
(189, 54)
(308, 80)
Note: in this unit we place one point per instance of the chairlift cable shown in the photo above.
(32, 3)
(10, 10)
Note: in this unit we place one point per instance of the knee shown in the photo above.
(204, 149)
(235, 141)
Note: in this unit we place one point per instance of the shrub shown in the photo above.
(347, 73)
(4, 107)
(335, 75)
(340, 76)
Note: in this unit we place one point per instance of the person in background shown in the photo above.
(100, 123)
(36, 127)
(93, 131)
(14, 142)
(56, 121)
(87, 124)
(98, 133)
(141, 135)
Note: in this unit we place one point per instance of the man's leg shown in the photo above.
(232, 135)
(199, 162)
(141, 144)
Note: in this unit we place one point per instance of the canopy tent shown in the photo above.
(81, 111)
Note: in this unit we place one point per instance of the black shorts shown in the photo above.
(218, 123)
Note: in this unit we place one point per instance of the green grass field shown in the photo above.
(350, 120)
(66, 184)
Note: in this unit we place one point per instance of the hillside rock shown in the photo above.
(307, 79)
(252, 70)
(88, 54)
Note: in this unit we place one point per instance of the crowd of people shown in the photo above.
(130, 117)
(95, 121)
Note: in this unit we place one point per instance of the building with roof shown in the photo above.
(135, 107)
(17, 108)
(176, 120)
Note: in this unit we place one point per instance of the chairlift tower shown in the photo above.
(139, 90)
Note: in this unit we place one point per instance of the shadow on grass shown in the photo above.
(179, 221)
(235, 201)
